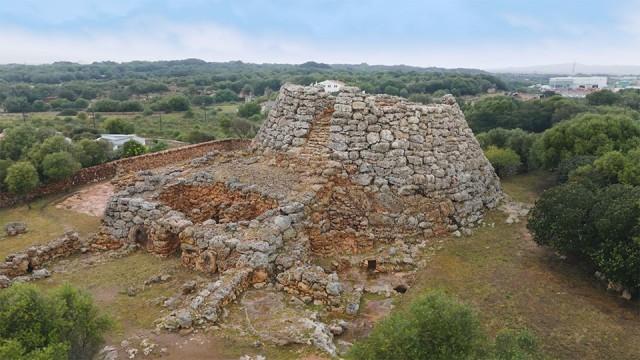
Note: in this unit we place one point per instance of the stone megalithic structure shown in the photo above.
(408, 167)
(361, 180)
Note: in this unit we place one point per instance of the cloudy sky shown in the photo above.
(448, 33)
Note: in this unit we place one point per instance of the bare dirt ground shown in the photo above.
(90, 200)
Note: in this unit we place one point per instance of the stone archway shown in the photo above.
(138, 235)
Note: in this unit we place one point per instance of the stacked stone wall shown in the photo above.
(111, 169)
(22, 263)
(410, 168)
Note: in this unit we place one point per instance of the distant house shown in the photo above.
(331, 85)
(117, 140)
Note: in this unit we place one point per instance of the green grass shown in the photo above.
(514, 283)
(108, 283)
(44, 223)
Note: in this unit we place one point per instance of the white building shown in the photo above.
(331, 85)
(117, 140)
(578, 82)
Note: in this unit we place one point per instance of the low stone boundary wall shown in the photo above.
(143, 162)
(35, 257)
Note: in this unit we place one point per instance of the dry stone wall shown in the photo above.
(111, 169)
(35, 257)
(411, 168)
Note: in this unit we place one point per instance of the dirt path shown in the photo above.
(90, 200)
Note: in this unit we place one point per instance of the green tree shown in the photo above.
(79, 322)
(505, 161)
(433, 327)
(59, 166)
(589, 134)
(17, 105)
(17, 141)
(92, 152)
(63, 325)
(54, 144)
(4, 167)
(249, 109)
(225, 95)
(559, 219)
(21, 178)
(436, 326)
(178, 103)
(615, 219)
(118, 126)
(133, 148)
(602, 97)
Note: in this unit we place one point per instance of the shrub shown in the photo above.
(21, 178)
(615, 220)
(517, 140)
(505, 161)
(4, 167)
(197, 136)
(118, 126)
(59, 166)
(158, 146)
(589, 134)
(560, 217)
(62, 325)
(567, 166)
(436, 326)
(133, 148)
(247, 110)
(93, 152)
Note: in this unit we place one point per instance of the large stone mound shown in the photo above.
(335, 193)
(415, 166)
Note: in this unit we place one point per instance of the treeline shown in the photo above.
(59, 86)
(592, 146)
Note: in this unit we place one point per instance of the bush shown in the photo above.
(247, 110)
(615, 220)
(118, 126)
(4, 167)
(21, 178)
(197, 136)
(94, 152)
(158, 146)
(600, 226)
(437, 327)
(589, 134)
(133, 148)
(559, 219)
(59, 166)
(505, 161)
(567, 166)
(517, 140)
(434, 327)
(62, 325)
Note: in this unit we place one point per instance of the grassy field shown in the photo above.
(514, 283)
(158, 125)
(44, 222)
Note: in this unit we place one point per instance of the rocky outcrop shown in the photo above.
(15, 228)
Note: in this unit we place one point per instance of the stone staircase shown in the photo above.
(315, 152)
(316, 146)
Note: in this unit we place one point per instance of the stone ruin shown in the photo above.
(333, 186)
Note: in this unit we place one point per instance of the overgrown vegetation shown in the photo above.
(64, 324)
(436, 326)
